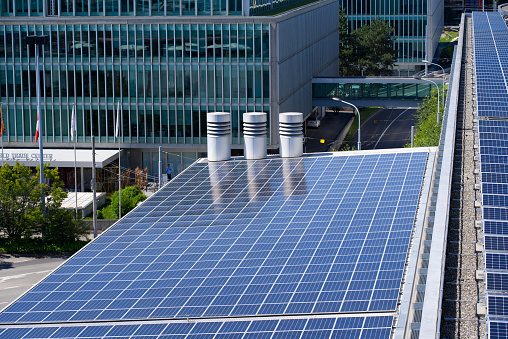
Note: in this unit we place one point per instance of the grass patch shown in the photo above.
(33, 246)
(287, 8)
(449, 36)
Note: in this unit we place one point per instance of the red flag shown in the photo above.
(2, 125)
(37, 128)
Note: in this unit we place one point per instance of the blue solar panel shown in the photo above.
(270, 237)
(495, 213)
(495, 227)
(498, 330)
(496, 243)
(496, 261)
(497, 282)
(349, 327)
(497, 305)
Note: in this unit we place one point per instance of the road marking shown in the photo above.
(31, 259)
(18, 276)
(386, 129)
(8, 288)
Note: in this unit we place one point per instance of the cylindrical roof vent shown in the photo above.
(219, 136)
(291, 134)
(254, 134)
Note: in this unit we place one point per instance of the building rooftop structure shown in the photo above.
(317, 245)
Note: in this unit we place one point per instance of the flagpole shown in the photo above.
(119, 134)
(2, 132)
(38, 41)
(39, 117)
(75, 136)
(2, 141)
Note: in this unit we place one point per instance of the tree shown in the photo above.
(346, 47)
(21, 217)
(367, 51)
(20, 197)
(59, 226)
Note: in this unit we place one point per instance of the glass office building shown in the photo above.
(417, 24)
(165, 76)
(167, 63)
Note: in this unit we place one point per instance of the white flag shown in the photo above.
(37, 127)
(117, 128)
(73, 123)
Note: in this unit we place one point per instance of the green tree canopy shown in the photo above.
(22, 218)
(346, 47)
(59, 226)
(20, 196)
(367, 51)
(427, 129)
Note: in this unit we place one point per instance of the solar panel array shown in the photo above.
(493, 136)
(275, 237)
(491, 64)
(491, 67)
(354, 327)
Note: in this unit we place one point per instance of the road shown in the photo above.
(388, 128)
(20, 273)
(331, 126)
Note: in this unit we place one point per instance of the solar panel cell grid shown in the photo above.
(497, 305)
(294, 236)
(495, 227)
(498, 330)
(496, 261)
(497, 282)
(496, 243)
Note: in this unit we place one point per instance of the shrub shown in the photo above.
(427, 129)
(131, 196)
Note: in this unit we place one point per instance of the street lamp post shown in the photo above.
(431, 63)
(358, 144)
(437, 87)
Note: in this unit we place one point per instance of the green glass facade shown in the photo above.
(371, 91)
(165, 76)
(136, 7)
(119, 7)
